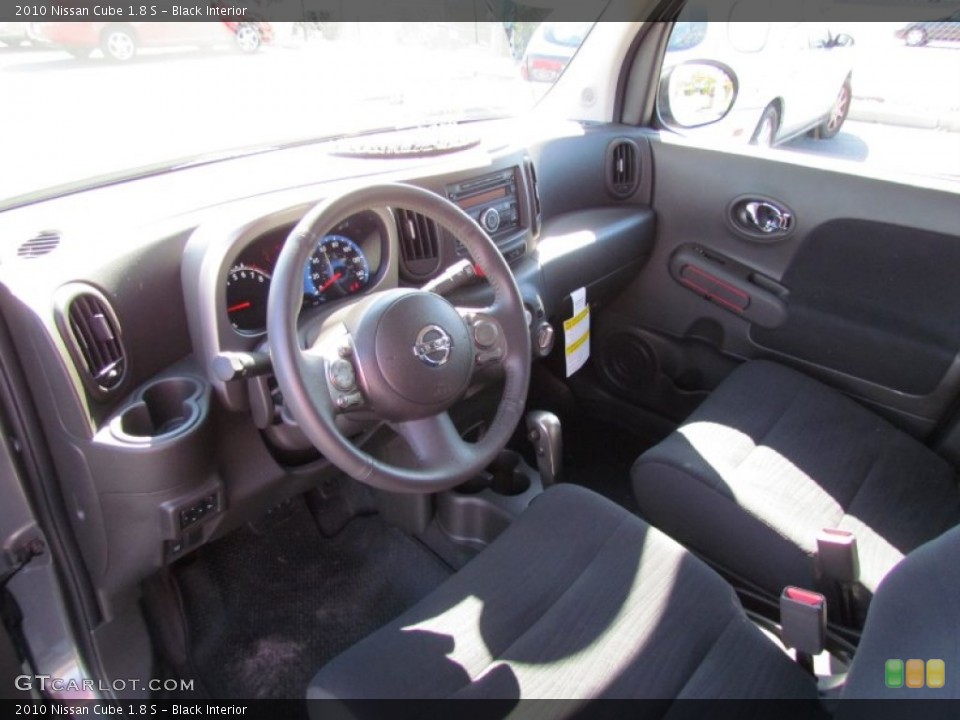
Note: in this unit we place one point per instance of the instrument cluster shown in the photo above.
(342, 264)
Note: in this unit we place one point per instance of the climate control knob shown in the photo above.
(490, 220)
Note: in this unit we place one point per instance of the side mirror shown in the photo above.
(696, 93)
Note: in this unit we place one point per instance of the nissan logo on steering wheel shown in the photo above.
(433, 346)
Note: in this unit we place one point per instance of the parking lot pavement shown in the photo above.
(901, 151)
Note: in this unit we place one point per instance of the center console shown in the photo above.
(493, 200)
(476, 512)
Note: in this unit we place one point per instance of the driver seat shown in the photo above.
(580, 599)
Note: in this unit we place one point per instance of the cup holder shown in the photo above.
(167, 407)
(508, 475)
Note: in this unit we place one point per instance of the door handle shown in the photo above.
(765, 217)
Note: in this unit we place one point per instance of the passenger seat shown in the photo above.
(770, 460)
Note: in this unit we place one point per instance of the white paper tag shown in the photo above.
(576, 332)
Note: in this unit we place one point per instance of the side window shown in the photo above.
(871, 94)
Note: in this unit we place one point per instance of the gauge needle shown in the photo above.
(239, 306)
(330, 282)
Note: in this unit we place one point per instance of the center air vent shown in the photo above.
(40, 244)
(623, 170)
(419, 243)
(91, 331)
(535, 195)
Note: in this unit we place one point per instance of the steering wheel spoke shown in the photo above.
(435, 441)
(313, 371)
(330, 362)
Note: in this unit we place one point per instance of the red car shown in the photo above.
(122, 41)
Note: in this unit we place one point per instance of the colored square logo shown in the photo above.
(914, 673)
(893, 671)
(936, 673)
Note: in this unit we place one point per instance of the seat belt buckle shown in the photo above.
(837, 555)
(803, 617)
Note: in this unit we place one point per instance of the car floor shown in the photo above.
(601, 437)
(266, 606)
(598, 455)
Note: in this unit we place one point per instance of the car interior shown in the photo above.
(308, 422)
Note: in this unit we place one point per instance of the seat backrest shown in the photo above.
(915, 615)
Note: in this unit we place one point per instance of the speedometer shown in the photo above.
(336, 268)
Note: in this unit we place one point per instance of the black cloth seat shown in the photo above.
(577, 599)
(581, 599)
(771, 458)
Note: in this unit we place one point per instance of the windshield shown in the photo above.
(105, 99)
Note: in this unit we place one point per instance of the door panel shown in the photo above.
(864, 276)
(873, 300)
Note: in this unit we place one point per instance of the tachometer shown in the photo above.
(247, 292)
(337, 268)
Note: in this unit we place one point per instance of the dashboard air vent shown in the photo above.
(623, 169)
(419, 242)
(41, 244)
(92, 332)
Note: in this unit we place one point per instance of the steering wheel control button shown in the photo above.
(486, 334)
(342, 376)
(433, 346)
(349, 400)
(490, 356)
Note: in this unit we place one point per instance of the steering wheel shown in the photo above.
(402, 356)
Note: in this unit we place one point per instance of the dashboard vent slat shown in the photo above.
(92, 332)
(40, 244)
(419, 243)
(623, 170)
(535, 195)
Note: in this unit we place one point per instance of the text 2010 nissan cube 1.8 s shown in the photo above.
(370, 366)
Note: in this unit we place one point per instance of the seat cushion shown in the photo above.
(576, 599)
(916, 614)
(771, 458)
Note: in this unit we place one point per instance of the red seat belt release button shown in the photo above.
(803, 617)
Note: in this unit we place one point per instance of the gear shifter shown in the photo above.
(543, 429)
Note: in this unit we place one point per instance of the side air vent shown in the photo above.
(419, 243)
(623, 170)
(41, 244)
(90, 328)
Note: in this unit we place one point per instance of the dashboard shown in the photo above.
(345, 262)
(157, 453)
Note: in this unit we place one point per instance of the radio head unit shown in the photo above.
(491, 200)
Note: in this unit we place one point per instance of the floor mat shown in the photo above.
(268, 605)
(598, 455)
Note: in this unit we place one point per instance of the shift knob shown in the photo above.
(543, 429)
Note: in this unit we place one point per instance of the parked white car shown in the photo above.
(789, 78)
